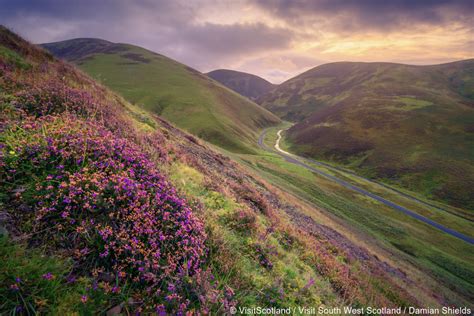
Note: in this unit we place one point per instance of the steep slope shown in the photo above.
(243, 83)
(112, 209)
(409, 125)
(174, 91)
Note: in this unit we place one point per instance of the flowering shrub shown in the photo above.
(53, 97)
(88, 191)
(99, 198)
(262, 256)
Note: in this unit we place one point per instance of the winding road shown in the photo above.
(297, 161)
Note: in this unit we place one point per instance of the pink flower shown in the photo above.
(14, 287)
(48, 276)
(84, 299)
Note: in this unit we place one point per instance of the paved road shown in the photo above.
(410, 197)
(296, 160)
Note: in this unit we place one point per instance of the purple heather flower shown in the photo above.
(14, 287)
(71, 279)
(84, 299)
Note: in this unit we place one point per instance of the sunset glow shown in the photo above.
(273, 39)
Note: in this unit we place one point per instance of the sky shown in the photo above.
(275, 39)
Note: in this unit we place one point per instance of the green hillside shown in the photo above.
(412, 126)
(108, 210)
(243, 83)
(172, 90)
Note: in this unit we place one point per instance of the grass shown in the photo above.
(234, 229)
(13, 57)
(77, 161)
(412, 103)
(253, 248)
(270, 264)
(24, 289)
(384, 224)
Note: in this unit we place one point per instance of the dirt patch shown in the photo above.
(127, 63)
(137, 57)
(114, 49)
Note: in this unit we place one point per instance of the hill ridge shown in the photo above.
(164, 86)
(246, 84)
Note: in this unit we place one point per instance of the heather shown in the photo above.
(106, 201)
(104, 204)
(81, 191)
(110, 209)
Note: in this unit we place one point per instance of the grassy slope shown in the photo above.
(357, 213)
(246, 84)
(178, 93)
(445, 259)
(254, 249)
(412, 251)
(407, 125)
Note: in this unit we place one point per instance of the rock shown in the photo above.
(3, 231)
(107, 277)
(116, 310)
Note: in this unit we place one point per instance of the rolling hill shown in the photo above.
(172, 90)
(408, 125)
(106, 208)
(243, 83)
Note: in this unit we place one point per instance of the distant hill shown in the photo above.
(411, 125)
(166, 87)
(96, 191)
(244, 83)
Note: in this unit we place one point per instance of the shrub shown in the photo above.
(54, 97)
(98, 198)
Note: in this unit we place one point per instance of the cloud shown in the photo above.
(280, 66)
(356, 15)
(272, 38)
(169, 27)
(236, 38)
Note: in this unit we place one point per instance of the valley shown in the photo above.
(337, 179)
(402, 125)
(382, 228)
(133, 183)
(427, 237)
